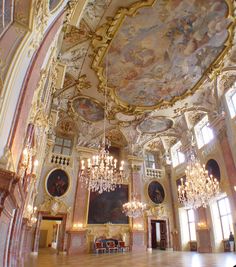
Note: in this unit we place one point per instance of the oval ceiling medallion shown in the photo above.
(88, 109)
(155, 125)
(161, 54)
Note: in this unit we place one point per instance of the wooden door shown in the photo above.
(163, 232)
(153, 231)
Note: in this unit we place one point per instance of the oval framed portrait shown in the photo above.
(57, 183)
(156, 192)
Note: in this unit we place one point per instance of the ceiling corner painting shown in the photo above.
(155, 125)
(88, 109)
(161, 54)
(53, 4)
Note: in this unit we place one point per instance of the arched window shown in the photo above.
(6, 14)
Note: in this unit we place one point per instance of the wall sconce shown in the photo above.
(138, 226)
(31, 215)
(202, 225)
(27, 165)
(235, 188)
(77, 226)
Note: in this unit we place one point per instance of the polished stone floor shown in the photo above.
(157, 258)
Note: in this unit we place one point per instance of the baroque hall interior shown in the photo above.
(117, 133)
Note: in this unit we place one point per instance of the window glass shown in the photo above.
(59, 141)
(62, 146)
(177, 156)
(222, 207)
(225, 217)
(66, 151)
(57, 149)
(203, 132)
(192, 230)
(191, 224)
(150, 161)
(67, 142)
(191, 215)
(231, 101)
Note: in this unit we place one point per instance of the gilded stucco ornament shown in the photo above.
(54, 205)
(40, 20)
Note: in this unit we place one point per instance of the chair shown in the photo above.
(122, 247)
(111, 246)
(99, 247)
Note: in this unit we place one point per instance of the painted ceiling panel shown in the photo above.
(163, 51)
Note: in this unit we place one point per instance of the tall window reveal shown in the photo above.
(231, 101)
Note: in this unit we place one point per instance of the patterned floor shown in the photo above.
(47, 258)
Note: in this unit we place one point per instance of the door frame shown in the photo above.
(41, 214)
(149, 232)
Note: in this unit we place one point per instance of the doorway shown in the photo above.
(50, 232)
(50, 228)
(158, 234)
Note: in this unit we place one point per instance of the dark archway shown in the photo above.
(213, 168)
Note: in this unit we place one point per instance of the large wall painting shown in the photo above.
(107, 207)
(156, 192)
(213, 169)
(57, 183)
(155, 125)
(162, 52)
(88, 109)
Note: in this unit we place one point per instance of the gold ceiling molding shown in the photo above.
(101, 43)
(106, 33)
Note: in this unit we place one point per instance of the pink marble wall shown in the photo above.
(80, 204)
(76, 243)
(30, 83)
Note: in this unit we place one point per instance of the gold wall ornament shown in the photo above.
(40, 20)
(106, 33)
(6, 160)
(54, 206)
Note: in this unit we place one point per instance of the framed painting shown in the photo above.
(156, 192)
(107, 207)
(57, 183)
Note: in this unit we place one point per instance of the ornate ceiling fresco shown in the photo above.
(162, 60)
(155, 125)
(162, 52)
(88, 109)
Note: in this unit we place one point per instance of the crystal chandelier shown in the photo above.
(199, 188)
(102, 172)
(134, 208)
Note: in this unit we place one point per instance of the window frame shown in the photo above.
(228, 214)
(229, 100)
(190, 222)
(63, 146)
(203, 138)
(148, 162)
(177, 157)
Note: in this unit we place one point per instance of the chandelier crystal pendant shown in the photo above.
(199, 188)
(102, 172)
(134, 208)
